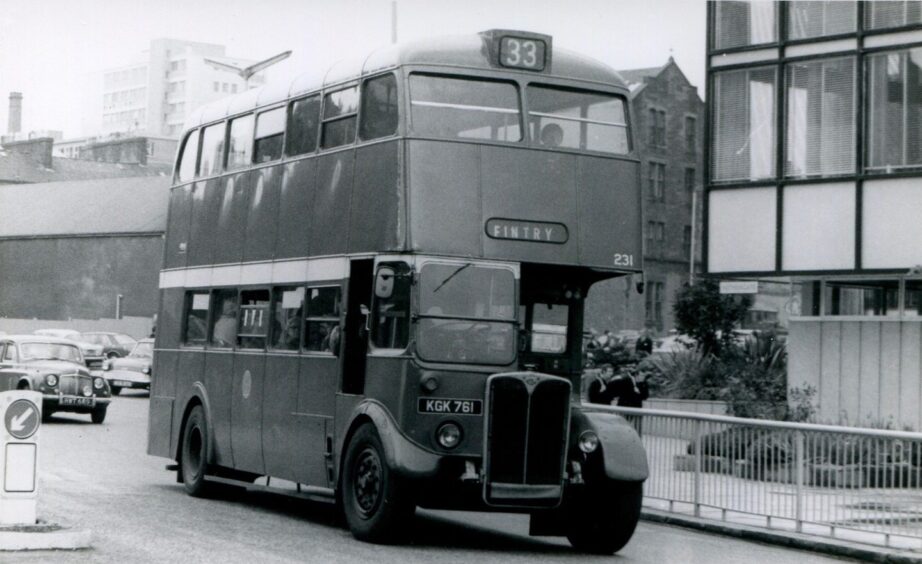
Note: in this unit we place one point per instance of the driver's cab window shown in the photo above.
(390, 316)
(548, 328)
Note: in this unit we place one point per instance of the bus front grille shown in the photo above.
(528, 415)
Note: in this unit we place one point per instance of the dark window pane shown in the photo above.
(391, 316)
(224, 318)
(303, 122)
(737, 24)
(270, 127)
(341, 103)
(865, 297)
(817, 19)
(287, 308)
(379, 107)
(196, 318)
(577, 120)
(339, 132)
(894, 99)
(188, 158)
(254, 319)
(884, 14)
(323, 307)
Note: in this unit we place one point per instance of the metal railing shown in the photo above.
(862, 485)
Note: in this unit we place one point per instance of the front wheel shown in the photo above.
(98, 415)
(602, 519)
(195, 454)
(376, 501)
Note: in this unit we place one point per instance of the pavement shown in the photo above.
(43, 536)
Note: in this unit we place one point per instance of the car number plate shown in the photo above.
(448, 405)
(121, 383)
(80, 402)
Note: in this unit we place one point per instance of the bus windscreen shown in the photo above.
(575, 119)
(464, 108)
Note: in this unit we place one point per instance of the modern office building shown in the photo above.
(815, 173)
(153, 95)
(668, 120)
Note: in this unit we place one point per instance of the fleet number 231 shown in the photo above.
(624, 259)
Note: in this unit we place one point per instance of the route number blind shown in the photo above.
(521, 53)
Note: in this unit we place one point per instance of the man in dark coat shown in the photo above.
(629, 390)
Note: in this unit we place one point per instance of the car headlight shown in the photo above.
(51, 380)
(448, 435)
(146, 370)
(98, 383)
(106, 365)
(588, 441)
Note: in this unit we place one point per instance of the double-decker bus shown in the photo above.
(373, 287)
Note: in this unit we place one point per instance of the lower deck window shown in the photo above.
(323, 307)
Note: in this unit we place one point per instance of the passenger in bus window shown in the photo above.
(551, 135)
(225, 328)
(289, 332)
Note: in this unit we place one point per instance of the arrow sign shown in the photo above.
(18, 422)
(21, 419)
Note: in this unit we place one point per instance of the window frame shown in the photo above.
(286, 150)
(240, 306)
(212, 321)
(229, 127)
(283, 133)
(187, 307)
(361, 107)
(197, 131)
(221, 169)
(307, 318)
(325, 94)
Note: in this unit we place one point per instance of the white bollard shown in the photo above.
(21, 413)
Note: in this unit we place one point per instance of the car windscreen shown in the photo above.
(50, 351)
(577, 119)
(466, 314)
(462, 108)
(145, 350)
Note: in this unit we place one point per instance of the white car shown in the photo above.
(131, 371)
(92, 353)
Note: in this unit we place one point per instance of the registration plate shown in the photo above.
(79, 402)
(448, 405)
(121, 383)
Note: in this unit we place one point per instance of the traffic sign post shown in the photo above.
(21, 412)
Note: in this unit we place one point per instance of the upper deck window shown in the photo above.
(212, 150)
(574, 119)
(463, 108)
(187, 160)
(379, 107)
(340, 109)
(303, 121)
(270, 128)
(240, 150)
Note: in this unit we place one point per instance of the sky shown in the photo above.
(53, 51)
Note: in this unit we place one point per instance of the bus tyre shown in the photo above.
(377, 503)
(601, 519)
(98, 415)
(195, 454)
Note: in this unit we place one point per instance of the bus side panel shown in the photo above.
(261, 214)
(378, 221)
(530, 185)
(609, 202)
(206, 201)
(386, 381)
(177, 231)
(295, 205)
(330, 212)
(281, 441)
(247, 407)
(189, 369)
(219, 373)
(231, 219)
(318, 381)
(163, 390)
(444, 193)
(169, 321)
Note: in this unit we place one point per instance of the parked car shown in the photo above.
(114, 345)
(132, 371)
(56, 368)
(92, 353)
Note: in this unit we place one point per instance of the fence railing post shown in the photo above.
(698, 456)
(799, 463)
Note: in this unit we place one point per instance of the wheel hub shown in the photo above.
(368, 479)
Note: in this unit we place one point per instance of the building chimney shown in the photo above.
(15, 117)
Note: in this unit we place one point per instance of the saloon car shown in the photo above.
(92, 353)
(132, 371)
(114, 345)
(56, 368)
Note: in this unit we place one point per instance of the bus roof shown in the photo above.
(459, 52)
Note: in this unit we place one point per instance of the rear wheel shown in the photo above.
(98, 415)
(194, 454)
(601, 519)
(377, 503)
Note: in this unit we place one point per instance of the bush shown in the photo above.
(708, 316)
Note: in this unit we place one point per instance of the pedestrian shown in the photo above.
(599, 391)
(629, 389)
(644, 346)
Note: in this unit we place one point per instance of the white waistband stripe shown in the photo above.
(275, 272)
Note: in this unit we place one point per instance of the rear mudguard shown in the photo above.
(403, 456)
(622, 452)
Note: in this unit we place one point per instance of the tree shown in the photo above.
(708, 316)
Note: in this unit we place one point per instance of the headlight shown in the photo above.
(106, 365)
(448, 435)
(98, 383)
(51, 380)
(588, 441)
(87, 390)
(146, 370)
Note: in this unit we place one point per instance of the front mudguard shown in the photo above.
(622, 452)
(402, 455)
